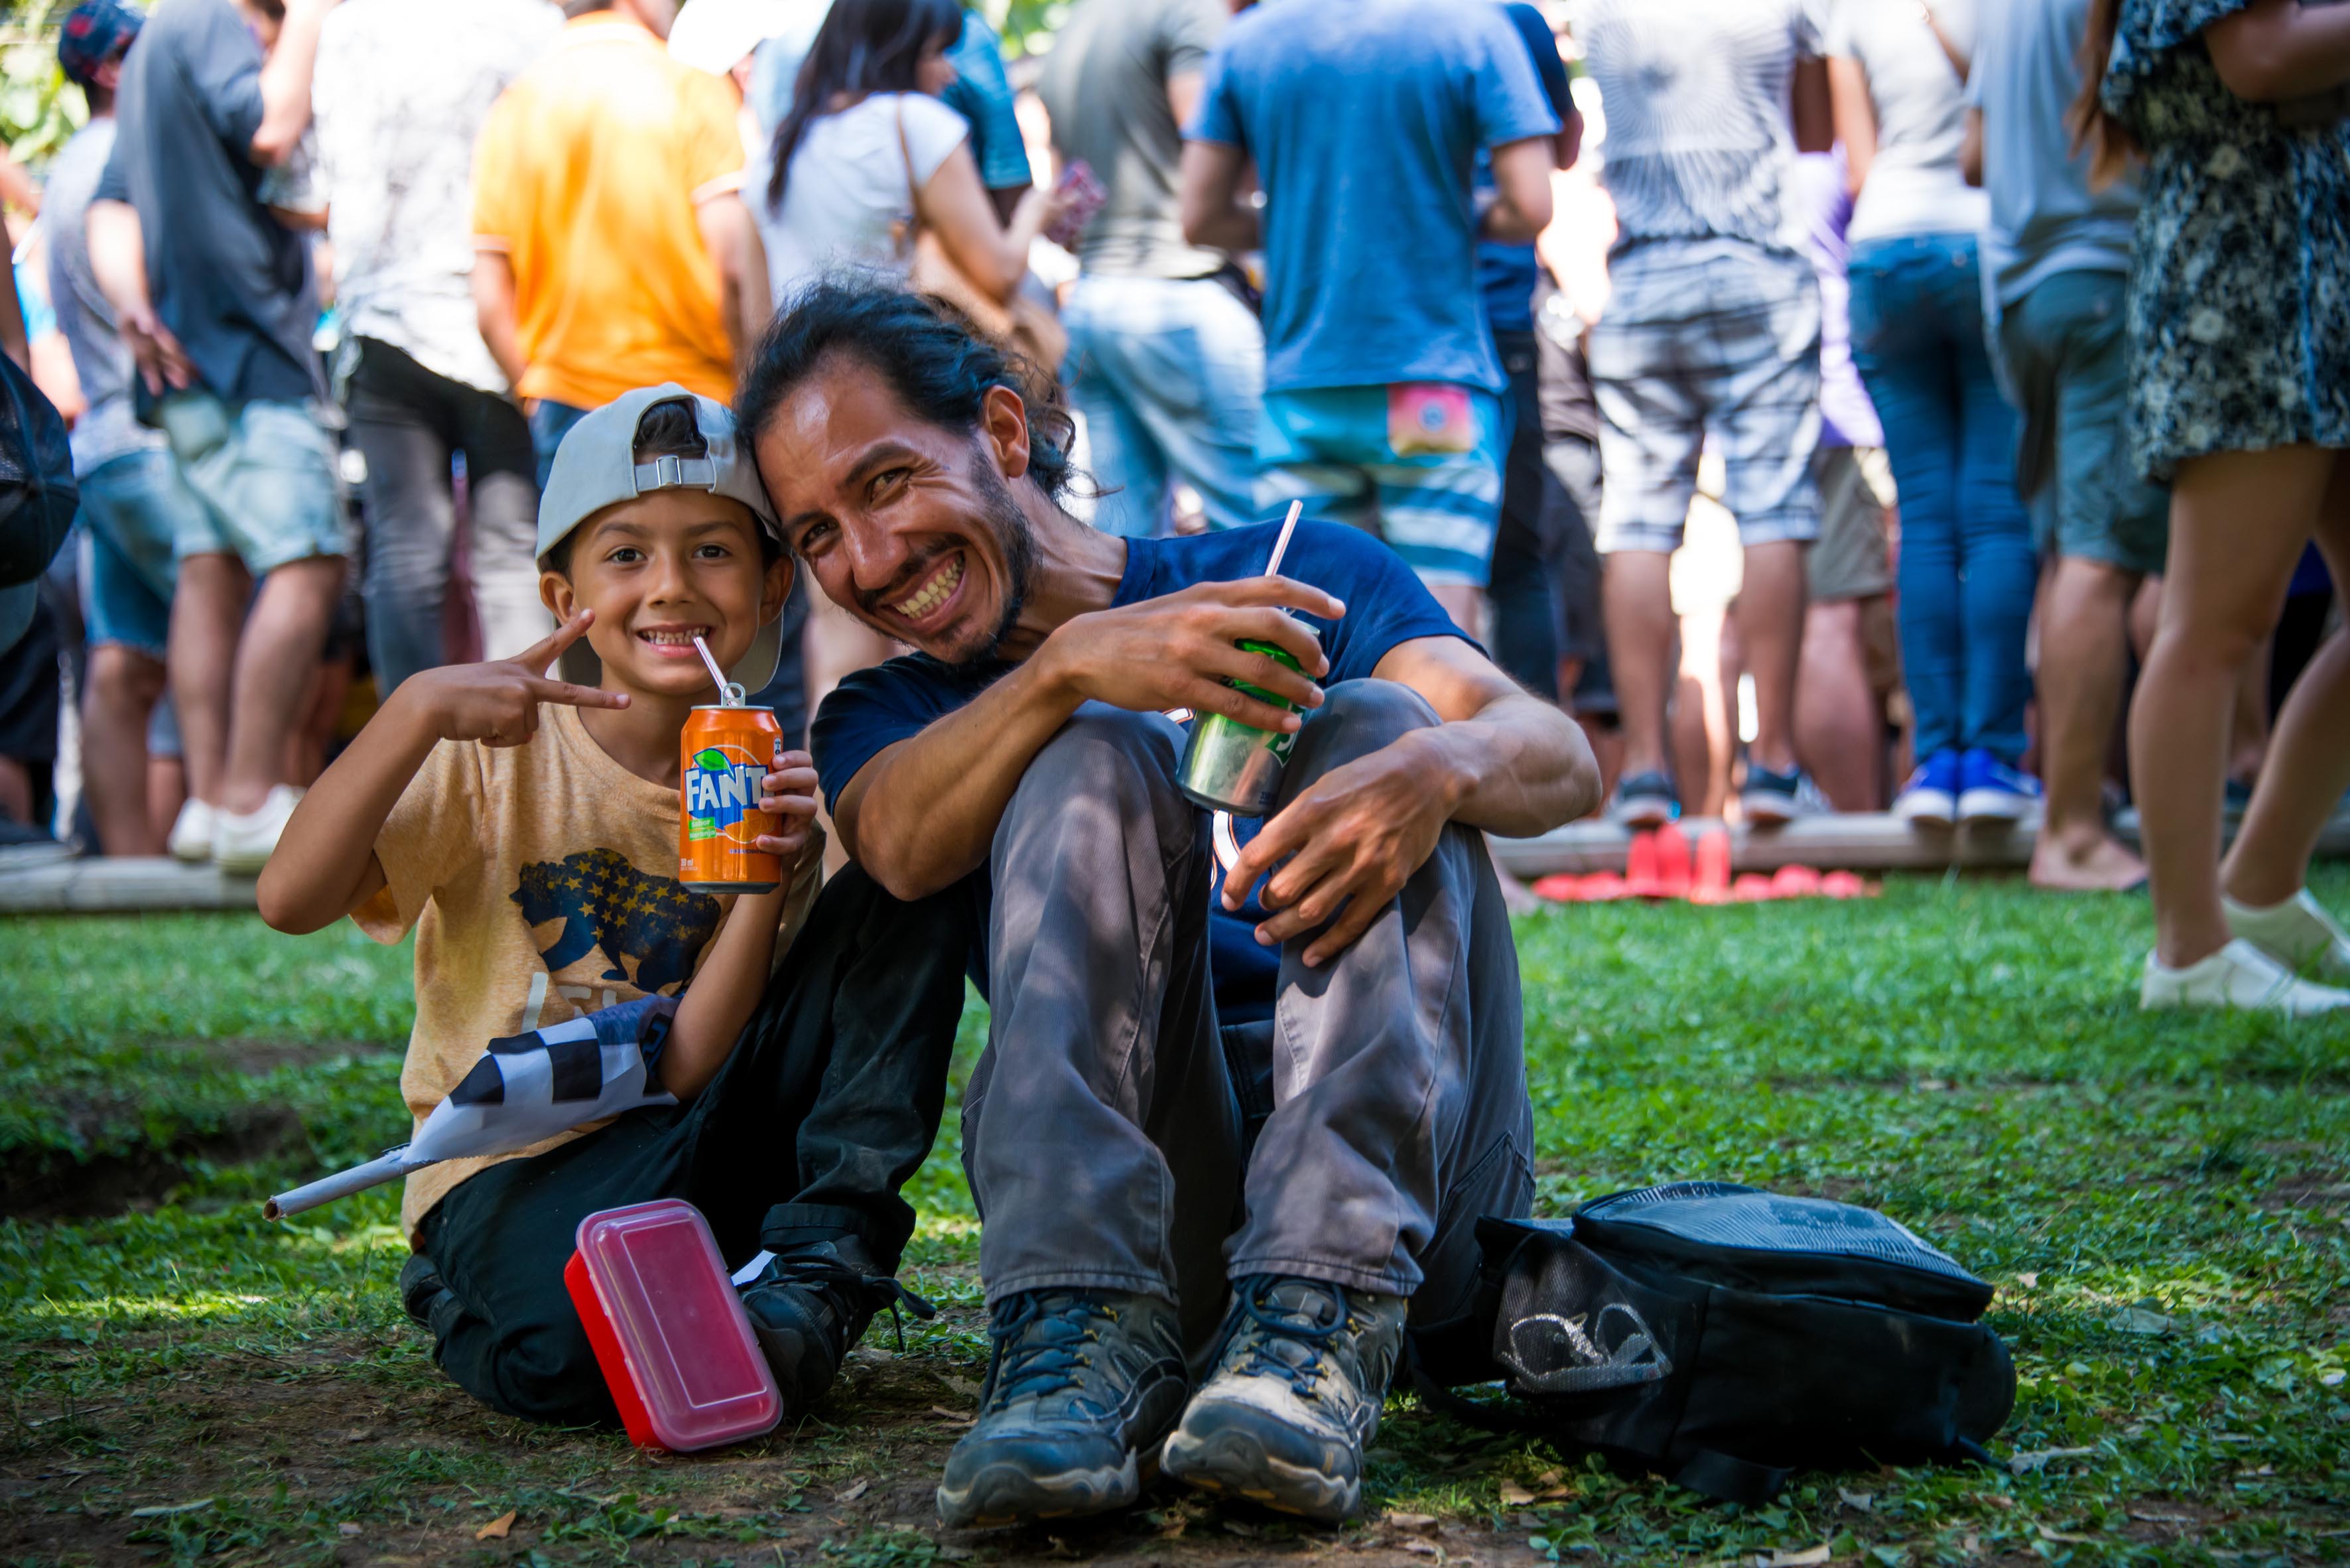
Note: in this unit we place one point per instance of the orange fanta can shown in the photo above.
(727, 750)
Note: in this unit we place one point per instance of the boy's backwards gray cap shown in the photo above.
(595, 466)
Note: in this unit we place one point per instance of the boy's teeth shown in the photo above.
(932, 593)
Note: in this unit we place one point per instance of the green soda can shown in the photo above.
(1236, 768)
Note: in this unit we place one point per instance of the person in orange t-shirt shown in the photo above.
(612, 248)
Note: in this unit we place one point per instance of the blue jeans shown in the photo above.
(550, 421)
(1966, 570)
(1169, 373)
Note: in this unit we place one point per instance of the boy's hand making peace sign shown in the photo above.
(496, 702)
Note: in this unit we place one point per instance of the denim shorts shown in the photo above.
(2063, 354)
(134, 510)
(265, 474)
(1417, 464)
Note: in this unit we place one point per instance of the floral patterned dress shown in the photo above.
(2240, 283)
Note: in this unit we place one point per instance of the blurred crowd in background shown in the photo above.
(1749, 375)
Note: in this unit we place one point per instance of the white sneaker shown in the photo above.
(242, 840)
(2238, 975)
(191, 831)
(2297, 933)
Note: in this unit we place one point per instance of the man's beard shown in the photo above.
(1016, 539)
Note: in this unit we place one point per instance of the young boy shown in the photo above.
(528, 827)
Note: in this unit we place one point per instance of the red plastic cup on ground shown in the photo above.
(669, 1331)
(1562, 887)
(1795, 881)
(1843, 884)
(1603, 887)
(1673, 872)
(1752, 887)
(1712, 876)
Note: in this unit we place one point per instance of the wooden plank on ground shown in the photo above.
(119, 884)
(1851, 841)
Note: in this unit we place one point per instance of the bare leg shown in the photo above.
(124, 686)
(16, 792)
(2237, 521)
(207, 612)
(2248, 728)
(2310, 750)
(1636, 587)
(167, 790)
(2083, 652)
(1840, 729)
(1770, 637)
(275, 664)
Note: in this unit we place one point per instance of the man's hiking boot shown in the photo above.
(1294, 1398)
(810, 1305)
(1082, 1387)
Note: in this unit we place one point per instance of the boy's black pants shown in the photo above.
(828, 1105)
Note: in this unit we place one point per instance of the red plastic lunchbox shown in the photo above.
(669, 1331)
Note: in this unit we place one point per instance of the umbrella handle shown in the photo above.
(390, 1165)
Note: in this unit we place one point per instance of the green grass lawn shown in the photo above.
(2164, 1204)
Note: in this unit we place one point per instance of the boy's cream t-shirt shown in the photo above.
(542, 880)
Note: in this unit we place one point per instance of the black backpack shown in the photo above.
(1725, 1336)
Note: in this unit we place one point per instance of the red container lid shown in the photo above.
(669, 1330)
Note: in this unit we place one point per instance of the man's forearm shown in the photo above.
(922, 814)
(118, 257)
(285, 81)
(494, 314)
(1518, 767)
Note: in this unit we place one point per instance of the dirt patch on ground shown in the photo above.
(49, 1184)
(341, 1454)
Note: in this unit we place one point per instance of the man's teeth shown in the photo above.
(933, 593)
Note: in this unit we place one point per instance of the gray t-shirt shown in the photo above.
(231, 282)
(106, 428)
(2044, 219)
(1105, 84)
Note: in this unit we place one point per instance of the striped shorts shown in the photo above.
(1419, 464)
(1720, 341)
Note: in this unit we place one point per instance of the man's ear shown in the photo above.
(1003, 426)
(780, 572)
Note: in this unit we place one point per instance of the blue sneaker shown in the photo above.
(1991, 791)
(1930, 798)
(1645, 800)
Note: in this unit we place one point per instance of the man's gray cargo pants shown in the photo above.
(1103, 1129)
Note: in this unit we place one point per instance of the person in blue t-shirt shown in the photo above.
(1382, 401)
(1327, 1003)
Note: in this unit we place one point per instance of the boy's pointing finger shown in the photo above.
(571, 696)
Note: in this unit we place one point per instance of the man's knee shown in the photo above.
(1355, 719)
(124, 679)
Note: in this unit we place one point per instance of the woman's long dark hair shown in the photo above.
(864, 46)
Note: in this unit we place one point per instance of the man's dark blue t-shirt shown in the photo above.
(1386, 605)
